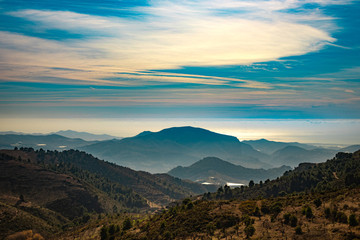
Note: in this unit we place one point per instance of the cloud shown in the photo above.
(190, 33)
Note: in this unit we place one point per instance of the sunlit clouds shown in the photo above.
(166, 35)
(233, 59)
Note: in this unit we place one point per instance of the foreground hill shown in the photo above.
(314, 201)
(161, 151)
(50, 191)
(33, 197)
(215, 170)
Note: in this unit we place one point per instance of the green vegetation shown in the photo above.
(314, 213)
(324, 203)
(60, 191)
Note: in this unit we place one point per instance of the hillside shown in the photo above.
(32, 197)
(166, 149)
(52, 191)
(157, 189)
(215, 170)
(315, 201)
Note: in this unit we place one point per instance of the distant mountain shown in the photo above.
(350, 149)
(212, 169)
(292, 156)
(269, 147)
(50, 142)
(85, 135)
(163, 150)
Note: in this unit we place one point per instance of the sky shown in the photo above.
(251, 68)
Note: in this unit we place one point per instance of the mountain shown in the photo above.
(212, 169)
(269, 147)
(85, 135)
(168, 148)
(156, 189)
(50, 142)
(51, 191)
(350, 149)
(33, 197)
(292, 156)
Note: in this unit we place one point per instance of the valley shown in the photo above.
(59, 194)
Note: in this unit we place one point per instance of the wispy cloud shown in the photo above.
(168, 35)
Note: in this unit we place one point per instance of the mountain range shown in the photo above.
(180, 146)
(163, 150)
(48, 142)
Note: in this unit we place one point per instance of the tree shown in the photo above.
(317, 202)
(104, 233)
(249, 230)
(127, 224)
(353, 221)
(251, 183)
(293, 221)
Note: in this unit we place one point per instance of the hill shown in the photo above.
(168, 148)
(215, 170)
(50, 142)
(33, 197)
(314, 201)
(51, 191)
(154, 188)
(269, 147)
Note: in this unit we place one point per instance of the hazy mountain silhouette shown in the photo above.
(85, 135)
(51, 142)
(269, 147)
(292, 156)
(163, 150)
(351, 149)
(212, 169)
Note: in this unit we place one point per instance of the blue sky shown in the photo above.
(228, 59)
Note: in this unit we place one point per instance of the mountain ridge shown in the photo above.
(209, 168)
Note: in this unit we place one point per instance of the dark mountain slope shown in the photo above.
(155, 188)
(224, 171)
(341, 172)
(161, 151)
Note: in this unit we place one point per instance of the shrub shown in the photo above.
(353, 221)
(307, 211)
(249, 231)
(293, 221)
(287, 218)
(298, 230)
(127, 224)
(341, 217)
(327, 213)
(317, 202)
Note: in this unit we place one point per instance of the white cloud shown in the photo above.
(171, 35)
